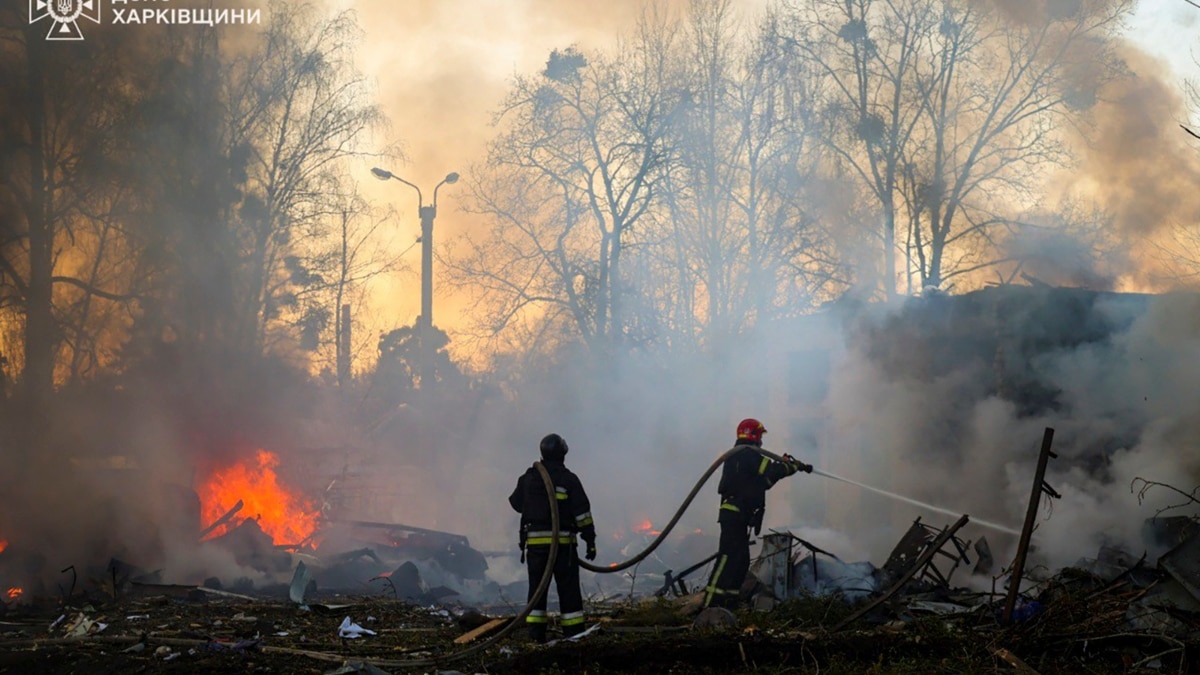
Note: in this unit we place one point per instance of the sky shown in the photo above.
(442, 67)
(1168, 30)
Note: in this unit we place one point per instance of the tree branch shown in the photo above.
(1190, 498)
(92, 290)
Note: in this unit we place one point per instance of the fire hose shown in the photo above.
(548, 574)
(662, 536)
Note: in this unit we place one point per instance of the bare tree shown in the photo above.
(574, 171)
(737, 197)
(297, 111)
(868, 50)
(982, 150)
(60, 132)
(337, 272)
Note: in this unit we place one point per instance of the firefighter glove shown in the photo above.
(591, 551)
(800, 466)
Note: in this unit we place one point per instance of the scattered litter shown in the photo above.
(591, 629)
(58, 621)
(174, 655)
(135, 649)
(300, 579)
(937, 607)
(81, 625)
(357, 668)
(576, 638)
(327, 609)
(282, 633)
(137, 617)
(239, 646)
(162, 651)
(351, 630)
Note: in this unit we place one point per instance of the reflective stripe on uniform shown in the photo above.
(730, 507)
(536, 616)
(762, 466)
(572, 618)
(545, 537)
(560, 493)
(548, 533)
(712, 587)
(546, 541)
(583, 519)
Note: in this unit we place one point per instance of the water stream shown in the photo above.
(910, 500)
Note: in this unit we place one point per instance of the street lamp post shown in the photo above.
(427, 213)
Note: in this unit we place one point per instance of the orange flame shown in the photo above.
(287, 516)
(646, 527)
(3, 545)
(13, 593)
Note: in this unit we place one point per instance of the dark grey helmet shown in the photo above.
(553, 447)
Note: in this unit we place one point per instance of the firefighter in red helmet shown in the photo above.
(745, 478)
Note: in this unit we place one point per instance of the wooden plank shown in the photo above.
(222, 520)
(1014, 661)
(481, 630)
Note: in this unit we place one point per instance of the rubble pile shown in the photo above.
(805, 608)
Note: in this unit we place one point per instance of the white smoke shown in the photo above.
(1124, 409)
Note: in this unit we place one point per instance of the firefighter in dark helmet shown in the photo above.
(745, 478)
(575, 520)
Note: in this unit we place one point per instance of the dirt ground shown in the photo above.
(1082, 630)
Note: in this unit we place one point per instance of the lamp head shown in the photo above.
(381, 174)
(452, 178)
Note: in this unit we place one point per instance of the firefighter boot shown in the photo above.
(573, 630)
(537, 633)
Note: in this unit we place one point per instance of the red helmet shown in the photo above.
(750, 429)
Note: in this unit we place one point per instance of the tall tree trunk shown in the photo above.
(38, 376)
(889, 248)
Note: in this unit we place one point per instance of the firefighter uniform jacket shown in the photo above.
(745, 478)
(574, 518)
(574, 510)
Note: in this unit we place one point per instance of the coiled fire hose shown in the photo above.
(544, 583)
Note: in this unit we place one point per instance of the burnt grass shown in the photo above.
(1080, 632)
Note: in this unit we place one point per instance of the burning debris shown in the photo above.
(253, 486)
(311, 585)
(802, 600)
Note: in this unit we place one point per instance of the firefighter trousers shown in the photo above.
(732, 564)
(566, 579)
